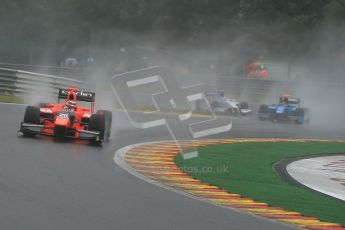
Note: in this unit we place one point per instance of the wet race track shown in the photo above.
(53, 184)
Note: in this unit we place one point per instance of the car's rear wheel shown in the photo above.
(263, 112)
(244, 105)
(263, 109)
(31, 116)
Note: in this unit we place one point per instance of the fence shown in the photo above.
(74, 73)
(18, 82)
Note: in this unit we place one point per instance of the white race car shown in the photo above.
(220, 104)
(230, 106)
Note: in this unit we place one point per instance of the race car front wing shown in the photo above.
(39, 129)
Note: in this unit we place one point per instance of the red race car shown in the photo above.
(68, 119)
(257, 70)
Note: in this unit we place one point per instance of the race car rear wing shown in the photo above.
(81, 95)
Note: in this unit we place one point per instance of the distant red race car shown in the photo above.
(257, 70)
(68, 119)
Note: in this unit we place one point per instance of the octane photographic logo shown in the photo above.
(172, 105)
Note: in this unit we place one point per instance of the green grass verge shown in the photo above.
(246, 169)
(10, 99)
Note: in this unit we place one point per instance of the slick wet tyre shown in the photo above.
(97, 123)
(244, 105)
(108, 121)
(263, 109)
(31, 116)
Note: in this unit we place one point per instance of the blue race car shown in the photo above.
(288, 110)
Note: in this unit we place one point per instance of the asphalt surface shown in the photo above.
(51, 184)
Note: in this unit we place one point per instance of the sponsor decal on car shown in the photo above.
(46, 110)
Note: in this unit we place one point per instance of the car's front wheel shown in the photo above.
(31, 116)
(300, 113)
(233, 111)
(101, 122)
(108, 117)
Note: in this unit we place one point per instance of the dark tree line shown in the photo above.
(284, 27)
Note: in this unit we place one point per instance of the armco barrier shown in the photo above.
(74, 73)
(17, 82)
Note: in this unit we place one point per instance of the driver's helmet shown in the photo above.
(261, 67)
(71, 105)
